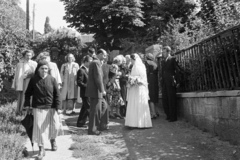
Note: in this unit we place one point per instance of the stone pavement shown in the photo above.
(63, 142)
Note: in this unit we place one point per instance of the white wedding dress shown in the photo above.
(138, 113)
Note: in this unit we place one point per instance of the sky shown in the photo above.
(54, 9)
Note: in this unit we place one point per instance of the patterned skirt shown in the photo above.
(46, 125)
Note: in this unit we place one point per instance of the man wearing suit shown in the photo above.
(169, 69)
(95, 91)
(82, 78)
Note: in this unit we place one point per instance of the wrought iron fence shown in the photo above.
(213, 64)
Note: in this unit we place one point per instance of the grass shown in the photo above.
(108, 146)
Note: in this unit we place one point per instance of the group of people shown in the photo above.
(128, 87)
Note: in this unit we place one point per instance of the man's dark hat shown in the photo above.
(54, 49)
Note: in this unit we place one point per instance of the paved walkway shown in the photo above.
(63, 142)
(165, 141)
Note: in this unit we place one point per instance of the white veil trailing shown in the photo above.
(139, 70)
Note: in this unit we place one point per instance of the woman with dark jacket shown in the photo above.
(45, 94)
(152, 77)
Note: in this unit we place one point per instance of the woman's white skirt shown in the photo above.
(46, 125)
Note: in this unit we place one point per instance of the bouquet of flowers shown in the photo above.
(134, 81)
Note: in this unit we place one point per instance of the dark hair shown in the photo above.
(91, 50)
(167, 48)
(27, 51)
(132, 56)
(86, 58)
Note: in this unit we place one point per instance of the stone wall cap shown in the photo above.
(225, 93)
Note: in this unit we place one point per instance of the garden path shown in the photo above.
(165, 141)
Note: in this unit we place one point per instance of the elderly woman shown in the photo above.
(69, 88)
(24, 71)
(45, 104)
(45, 56)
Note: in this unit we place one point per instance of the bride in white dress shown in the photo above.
(138, 114)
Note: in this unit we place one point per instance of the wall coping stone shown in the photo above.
(225, 93)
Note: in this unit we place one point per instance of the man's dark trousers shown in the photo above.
(169, 100)
(95, 115)
(84, 113)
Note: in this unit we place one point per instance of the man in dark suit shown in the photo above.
(95, 91)
(169, 69)
(82, 78)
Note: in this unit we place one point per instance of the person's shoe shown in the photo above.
(41, 153)
(53, 144)
(104, 128)
(25, 152)
(111, 116)
(153, 117)
(72, 113)
(118, 116)
(97, 133)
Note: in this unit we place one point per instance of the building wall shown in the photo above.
(214, 112)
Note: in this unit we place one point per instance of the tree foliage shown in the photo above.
(131, 21)
(214, 16)
(109, 20)
(13, 39)
(11, 15)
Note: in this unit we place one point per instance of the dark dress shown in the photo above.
(152, 77)
(123, 85)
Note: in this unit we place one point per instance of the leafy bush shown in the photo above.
(11, 146)
(12, 142)
(65, 40)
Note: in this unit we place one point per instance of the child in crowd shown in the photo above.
(113, 91)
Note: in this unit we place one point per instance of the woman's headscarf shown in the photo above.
(40, 64)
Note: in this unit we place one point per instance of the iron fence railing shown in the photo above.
(213, 64)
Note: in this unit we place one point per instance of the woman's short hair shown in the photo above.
(118, 59)
(87, 58)
(27, 51)
(66, 57)
(43, 54)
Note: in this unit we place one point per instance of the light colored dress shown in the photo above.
(23, 73)
(55, 72)
(69, 74)
(138, 113)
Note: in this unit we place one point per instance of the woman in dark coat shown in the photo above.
(152, 77)
(43, 89)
